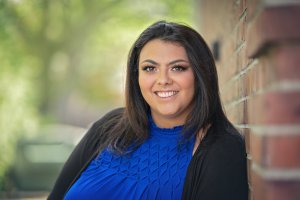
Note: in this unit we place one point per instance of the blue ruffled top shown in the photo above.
(155, 170)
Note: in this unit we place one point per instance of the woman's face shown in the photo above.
(167, 82)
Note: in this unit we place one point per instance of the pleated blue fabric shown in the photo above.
(156, 170)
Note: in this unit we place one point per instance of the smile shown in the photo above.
(166, 94)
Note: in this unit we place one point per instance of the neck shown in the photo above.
(164, 122)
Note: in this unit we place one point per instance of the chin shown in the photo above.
(168, 113)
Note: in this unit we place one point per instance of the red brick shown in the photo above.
(232, 68)
(242, 7)
(227, 49)
(259, 187)
(274, 108)
(225, 96)
(275, 24)
(267, 72)
(283, 151)
(235, 90)
(232, 91)
(275, 152)
(255, 109)
(241, 86)
(246, 83)
(259, 28)
(244, 60)
(279, 190)
(259, 77)
(253, 6)
(274, 189)
(286, 61)
(245, 113)
(281, 107)
(241, 29)
(249, 79)
(257, 147)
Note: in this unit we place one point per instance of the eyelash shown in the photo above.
(179, 68)
(148, 68)
(174, 68)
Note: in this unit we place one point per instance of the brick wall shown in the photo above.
(259, 72)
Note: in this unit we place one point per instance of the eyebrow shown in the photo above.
(170, 63)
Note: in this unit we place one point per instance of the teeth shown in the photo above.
(166, 94)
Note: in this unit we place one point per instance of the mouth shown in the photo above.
(166, 94)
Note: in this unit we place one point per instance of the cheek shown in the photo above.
(188, 86)
(187, 82)
(145, 87)
(141, 83)
(144, 84)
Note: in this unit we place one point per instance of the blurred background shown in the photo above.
(62, 66)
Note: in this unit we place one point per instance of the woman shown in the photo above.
(172, 140)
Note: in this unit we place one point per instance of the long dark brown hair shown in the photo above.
(131, 128)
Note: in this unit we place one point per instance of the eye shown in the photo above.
(149, 69)
(179, 68)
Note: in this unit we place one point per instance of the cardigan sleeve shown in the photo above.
(220, 173)
(80, 157)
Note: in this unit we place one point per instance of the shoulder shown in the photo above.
(229, 145)
(230, 140)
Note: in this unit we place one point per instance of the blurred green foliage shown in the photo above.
(53, 49)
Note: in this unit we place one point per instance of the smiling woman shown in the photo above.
(167, 82)
(172, 140)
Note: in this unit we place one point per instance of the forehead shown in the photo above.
(160, 49)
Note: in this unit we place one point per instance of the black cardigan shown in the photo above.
(217, 171)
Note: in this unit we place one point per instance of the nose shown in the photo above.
(164, 78)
